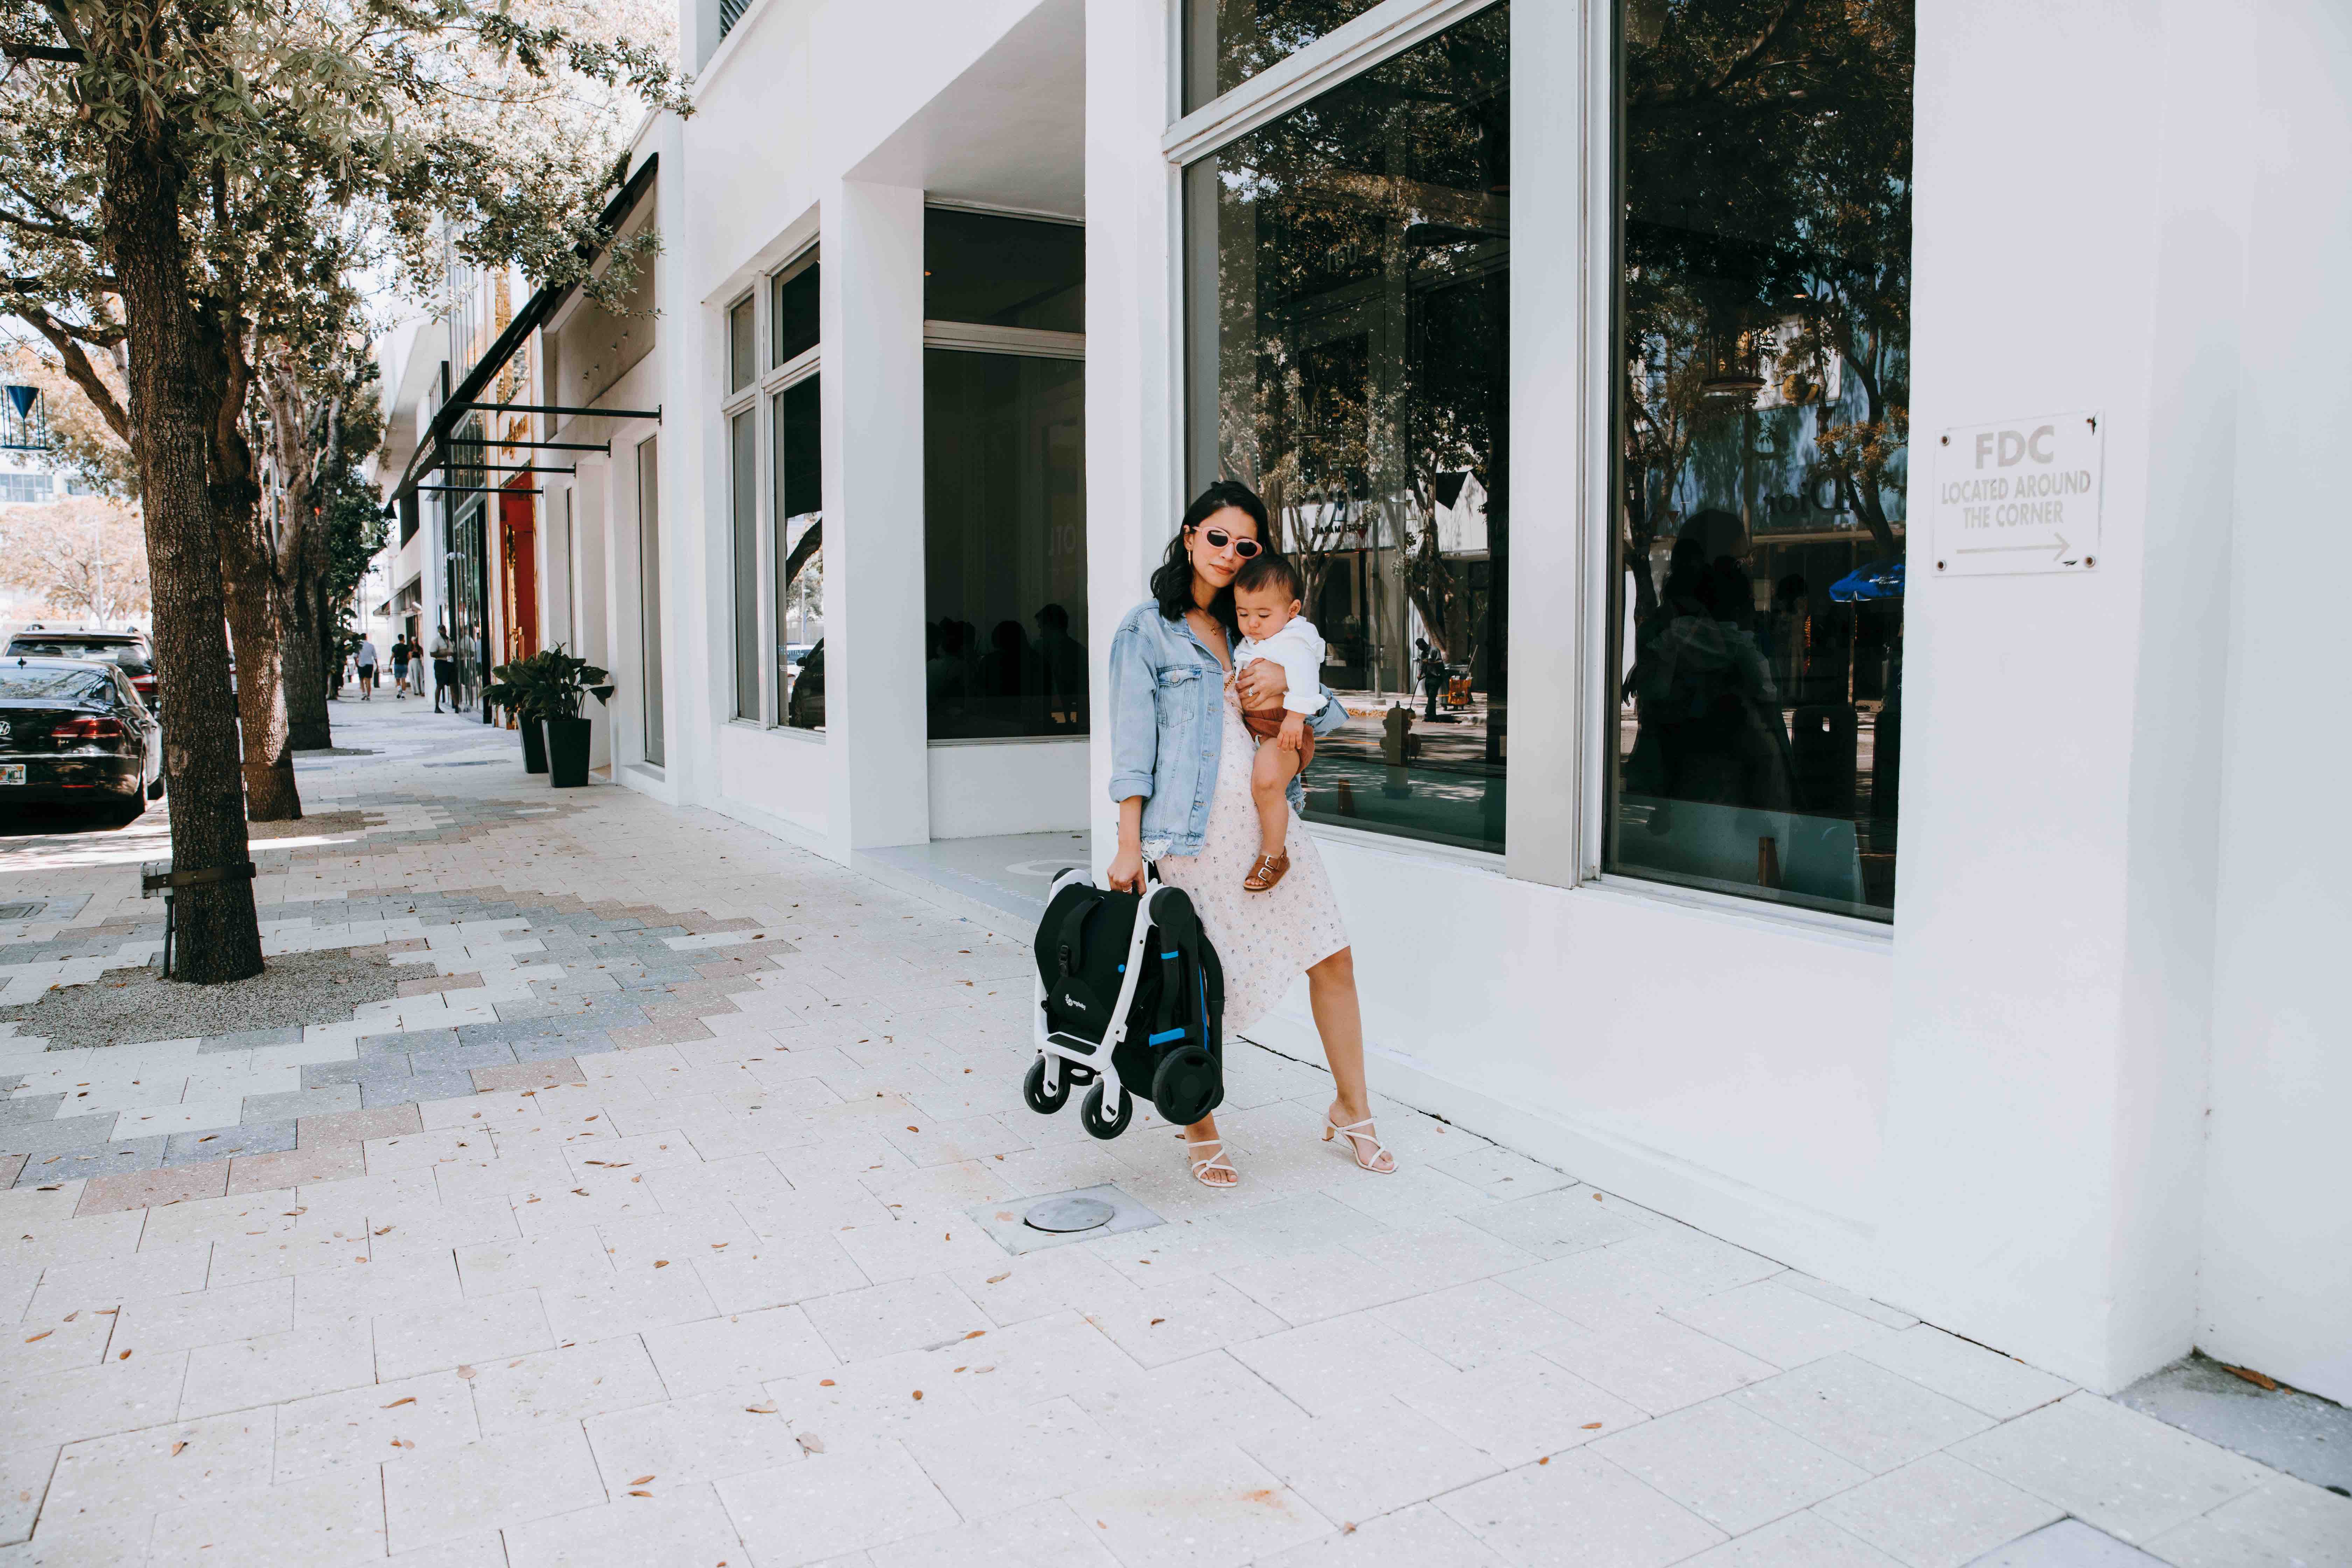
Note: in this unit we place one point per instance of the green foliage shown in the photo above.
(549, 684)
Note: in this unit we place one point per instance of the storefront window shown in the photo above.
(1764, 322)
(1226, 42)
(1004, 545)
(799, 547)
(1003, 271)
(1004, 523)
(649, 590)
(743, 476)
(1348, 315)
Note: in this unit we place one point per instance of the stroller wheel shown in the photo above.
(1032, 1090)
(1090, 1112)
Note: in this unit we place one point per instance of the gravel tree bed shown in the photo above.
(125, 1005)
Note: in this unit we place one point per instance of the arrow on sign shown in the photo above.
(2058, 555)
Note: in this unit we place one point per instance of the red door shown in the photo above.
(519, 553)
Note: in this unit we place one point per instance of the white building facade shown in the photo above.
(1946, 911)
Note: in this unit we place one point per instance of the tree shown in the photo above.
(171, 165)
(85, 556)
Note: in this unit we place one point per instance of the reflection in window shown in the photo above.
(1348, 284)
(1005, 530)
(743, 475)
(1764, 316)
(1226, 42)
(798, 549)
(1003, 271)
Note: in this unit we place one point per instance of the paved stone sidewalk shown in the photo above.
(651, 1225)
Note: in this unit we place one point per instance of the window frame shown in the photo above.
(757, 397)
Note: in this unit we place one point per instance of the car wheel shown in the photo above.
(129, 811)
(155, 789)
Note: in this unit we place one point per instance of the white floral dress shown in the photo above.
(1265, 939)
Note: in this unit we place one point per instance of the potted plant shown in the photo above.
(518, 687)
(564, 679)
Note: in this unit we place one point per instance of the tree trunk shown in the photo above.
(219, 938)
(270, 795)
(302, 652)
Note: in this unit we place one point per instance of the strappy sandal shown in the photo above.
(1216, 1161)
(1356, 1141)
(1266, 871)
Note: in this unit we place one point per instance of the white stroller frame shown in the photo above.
(1055, 1050)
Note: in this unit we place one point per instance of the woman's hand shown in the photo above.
(1262, 684)
(1126, 872)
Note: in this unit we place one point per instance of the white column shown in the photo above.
(590, 512)
(2276, 1279)
(871, 308)
(2078, 247)
(1135, 493)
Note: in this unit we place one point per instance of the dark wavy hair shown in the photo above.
(1172, 585)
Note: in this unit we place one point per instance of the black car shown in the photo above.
(128, 650)
(75, 730)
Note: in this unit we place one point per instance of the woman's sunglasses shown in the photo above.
(1218, 539)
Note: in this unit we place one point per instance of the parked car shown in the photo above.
(77, 729)
(129, 650)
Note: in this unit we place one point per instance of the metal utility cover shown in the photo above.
(1005, 1220)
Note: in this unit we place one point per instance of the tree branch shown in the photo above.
(78, 367)
(55, 231)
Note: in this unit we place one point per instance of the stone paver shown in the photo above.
(641, 1228)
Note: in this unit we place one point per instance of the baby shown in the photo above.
(1265, 603)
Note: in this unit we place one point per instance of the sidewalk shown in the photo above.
(661, 1219)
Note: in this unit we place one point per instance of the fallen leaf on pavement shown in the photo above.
(175, 1449)
(1001, 1279)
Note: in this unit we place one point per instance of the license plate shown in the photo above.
(12, 773)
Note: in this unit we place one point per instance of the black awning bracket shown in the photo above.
(604, 447)
(654, 414)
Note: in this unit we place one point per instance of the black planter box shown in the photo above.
(534, 747)
(567, 752)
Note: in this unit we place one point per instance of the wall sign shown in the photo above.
(2019, 496)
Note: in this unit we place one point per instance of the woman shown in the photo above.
(1181, 774)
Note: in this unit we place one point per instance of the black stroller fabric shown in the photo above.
(1173, 1055)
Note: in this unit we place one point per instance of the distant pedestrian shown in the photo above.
(400, 649)
(364, 657)
(444, 671)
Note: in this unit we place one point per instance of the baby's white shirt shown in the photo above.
(1298, 648)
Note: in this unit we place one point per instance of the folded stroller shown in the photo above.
(1131, 1000)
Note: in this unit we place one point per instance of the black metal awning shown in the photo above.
(432, 452)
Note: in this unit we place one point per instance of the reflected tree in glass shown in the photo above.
(1765, 157)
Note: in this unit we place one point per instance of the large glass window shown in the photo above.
(799, 547)
(1348, 287)
(1004, 545)
(1004, 523)
(1226, 42)
(649, 588)
(743, 474)
(1763, 323)
(1003, 271)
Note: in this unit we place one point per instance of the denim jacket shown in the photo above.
(1167, 726)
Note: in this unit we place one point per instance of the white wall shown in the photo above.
(978, 788)
(2276, 1283)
